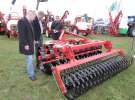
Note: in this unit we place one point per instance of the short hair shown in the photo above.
(57, 17)
(31, 15)
(41, 13)
(31, 12)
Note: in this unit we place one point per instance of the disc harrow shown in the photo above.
(81, 64)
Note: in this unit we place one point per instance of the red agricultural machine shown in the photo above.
(113, 27)
(83, 26)
(12, 21)
(2, 24)
(79, 64)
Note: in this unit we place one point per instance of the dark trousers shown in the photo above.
(37, 48)
(37, 53)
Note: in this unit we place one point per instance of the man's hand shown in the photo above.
(26, 47)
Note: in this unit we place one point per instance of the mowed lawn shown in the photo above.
(15, 85)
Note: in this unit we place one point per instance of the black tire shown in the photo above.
(2, 33)
(75, 30)
(8, 35)
(132, 31)
(85, 34)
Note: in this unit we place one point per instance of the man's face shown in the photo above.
(57, 18)
(32, 17)
(40, 17)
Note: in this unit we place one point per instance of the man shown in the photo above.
(26, 41)
(38, 27)
(56, 28)
(24, 10)
(38, 31)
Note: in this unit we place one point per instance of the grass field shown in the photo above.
(15, 85)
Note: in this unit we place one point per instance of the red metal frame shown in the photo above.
(66, 13)
(68, 49)
(2, 28)
(64, 34)
(114, 24)
(12, 33)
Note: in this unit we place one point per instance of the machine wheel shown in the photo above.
(2, 33)
(75, 31)
(8, 35)
(85, 34)
(132, 31)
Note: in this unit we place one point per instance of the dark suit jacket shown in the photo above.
(26, 36)
(56, 25)
(37, 29)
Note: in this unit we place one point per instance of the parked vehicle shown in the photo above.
(131, 25)
(12, 21)
(2, 24)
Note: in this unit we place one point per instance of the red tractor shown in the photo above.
(78, 64)
(12, 21)
(2, 24)
(81, 26)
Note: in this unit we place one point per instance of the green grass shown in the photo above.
(15, 85)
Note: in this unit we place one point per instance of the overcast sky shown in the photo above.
(94, 8)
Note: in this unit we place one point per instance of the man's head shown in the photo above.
(57, 18)
(31, 15)
(41, 14)
(24, 10)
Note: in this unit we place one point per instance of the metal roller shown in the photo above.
(81, 80)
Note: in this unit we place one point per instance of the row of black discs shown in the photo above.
(79, 80)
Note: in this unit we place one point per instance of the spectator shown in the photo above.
(26, 41)
(38, 31)
(38, 27)
(56, 28)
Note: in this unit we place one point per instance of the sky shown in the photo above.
(94, 8)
